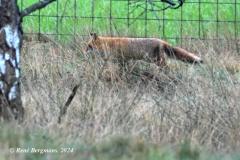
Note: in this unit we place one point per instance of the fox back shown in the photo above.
(138, 48)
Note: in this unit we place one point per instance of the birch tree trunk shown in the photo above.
(10, 48)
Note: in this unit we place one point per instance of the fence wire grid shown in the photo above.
(196, 19)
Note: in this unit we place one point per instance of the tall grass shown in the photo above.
(186, 112)
(194, 103)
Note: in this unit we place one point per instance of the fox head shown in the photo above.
(94, 43)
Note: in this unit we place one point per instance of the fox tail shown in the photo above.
(181, 54)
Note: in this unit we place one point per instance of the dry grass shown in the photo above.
(195, 102)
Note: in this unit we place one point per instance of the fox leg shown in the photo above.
(160, 61)
(159, 58)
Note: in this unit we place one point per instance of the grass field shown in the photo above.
(36, 143)
(66, 17)
(190, 112)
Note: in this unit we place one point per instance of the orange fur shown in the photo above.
(139, 48)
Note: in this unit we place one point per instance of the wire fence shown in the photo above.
(196, 19)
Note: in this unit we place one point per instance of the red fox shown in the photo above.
(139, 48)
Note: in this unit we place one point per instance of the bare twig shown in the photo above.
(64, 10)
(63, 110)
(169, 2)
(39, 5)
(155, 7)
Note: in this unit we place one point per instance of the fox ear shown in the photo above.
(94, 35)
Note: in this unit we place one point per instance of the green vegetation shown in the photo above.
(181, 22)
(34, 145)
(190, 113)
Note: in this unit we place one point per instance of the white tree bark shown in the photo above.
(10, 49)
(10, 52)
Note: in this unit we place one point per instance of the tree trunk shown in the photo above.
(10, 48)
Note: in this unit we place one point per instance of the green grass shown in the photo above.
(128, 119)
(172, 26)
(13, 139)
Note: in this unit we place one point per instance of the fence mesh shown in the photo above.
(196, 19)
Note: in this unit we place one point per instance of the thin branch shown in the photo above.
(39, 5)
(64, 10)
(155, 7)
(155, 13)
(170, 2)
(63, 110)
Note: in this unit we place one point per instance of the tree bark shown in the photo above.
(36, 6)
(10, 48)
